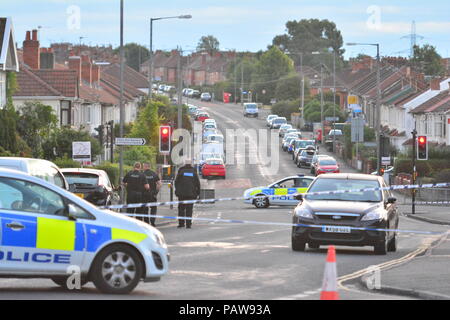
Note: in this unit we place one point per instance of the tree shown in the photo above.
(36, 122)
(135, 55)
(147, 124)
(313, 111)
(310, 35)
(59, 144)
(8, 117)
(290, 88)
(271, 68)
(209, 44)
(427, 60)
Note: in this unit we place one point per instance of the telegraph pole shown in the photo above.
(414, 155)
(122, 108)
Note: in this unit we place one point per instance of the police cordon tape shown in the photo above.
(284, 224)
(168, 203)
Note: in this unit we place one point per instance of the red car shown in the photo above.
(214, 168)
(326, 165)
(202, 116)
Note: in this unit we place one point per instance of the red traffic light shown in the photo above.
(422, 140)
(165, 131)
(164, 139)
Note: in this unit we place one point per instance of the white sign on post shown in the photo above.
(81, 152)
(130, 142)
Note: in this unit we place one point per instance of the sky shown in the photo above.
(243, 25)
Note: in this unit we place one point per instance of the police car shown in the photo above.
(281, 192)
(47, 232)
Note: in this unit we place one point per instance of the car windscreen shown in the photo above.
(321, 185)
(276, 121)
(327, 162)
(79, 179)
(214, 162)
(305, 143)
(251, 106)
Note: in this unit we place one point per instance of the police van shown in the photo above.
(48, 232)
(280, 193)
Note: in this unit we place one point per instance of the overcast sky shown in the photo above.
(238, 24)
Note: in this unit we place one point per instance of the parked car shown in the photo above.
(269, 118)
(286, 142)
(38, 168)
(202, 116)
(278, 122)
(206, 96)
(326, 165)
(92, 185)
(302, 145)
(305, 158)
(214, 168)
(283, 129)
(314, 161)
(367, 218)
(209, 125)
(194, 94)
(192, 109)
(214, 137)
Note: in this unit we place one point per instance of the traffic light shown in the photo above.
(422, 148)
(100, 129)
(164, 139)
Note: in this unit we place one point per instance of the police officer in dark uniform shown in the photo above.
(150, 195)
(187, 187)
(136, 184)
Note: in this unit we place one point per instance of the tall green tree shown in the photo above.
(209, 44)
(135, 55)
(311, 35)
(8, 117)
(36, 122)
(271, 68)
(427, 60)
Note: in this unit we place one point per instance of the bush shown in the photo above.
(66, 162)
(286, 108)
(113, 171)
(443, 176)
(424, 168)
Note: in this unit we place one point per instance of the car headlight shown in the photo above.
(156, 236)
(373, 215)
(303, 213)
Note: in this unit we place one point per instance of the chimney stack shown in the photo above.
(95, 74)
(47, 58)
(75, 64)
(435, 84)
(86, 69)
(31, 52)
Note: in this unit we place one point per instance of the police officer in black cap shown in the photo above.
(150, 195)
(187, 187)
(136, 184)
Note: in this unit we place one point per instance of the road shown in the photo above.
(241, 261)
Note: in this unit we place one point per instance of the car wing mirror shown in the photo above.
(299, 197)
(71, 212)
(391, 200)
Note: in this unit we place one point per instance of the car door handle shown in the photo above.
(15, 226)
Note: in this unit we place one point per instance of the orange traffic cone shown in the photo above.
(329, 286)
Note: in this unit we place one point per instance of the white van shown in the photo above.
(38, 168)
(251, 110)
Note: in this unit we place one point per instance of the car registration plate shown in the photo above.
(334, 229)
(214, 174)
(80, 195)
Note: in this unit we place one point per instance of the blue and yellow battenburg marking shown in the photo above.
(61, 235)
(278, 191)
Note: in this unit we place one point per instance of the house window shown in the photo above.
(2, 89)
(66, 113)
(88, 115)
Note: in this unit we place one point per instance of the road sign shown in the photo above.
(385, 161)
(130, 142)
(81, 152)
(332, 119)
(352, 100)
(357, 130)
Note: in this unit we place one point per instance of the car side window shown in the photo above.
(302, 183)
(30, 197)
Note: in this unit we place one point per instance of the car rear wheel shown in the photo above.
(298, 245)
(261, 202)
(117, 270)
(381, 248)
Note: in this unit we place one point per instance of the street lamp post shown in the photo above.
(378, 102)
(150, 60)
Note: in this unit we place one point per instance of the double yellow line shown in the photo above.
(426, 245)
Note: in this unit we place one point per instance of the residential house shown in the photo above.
(8, 55)
(432, 117)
